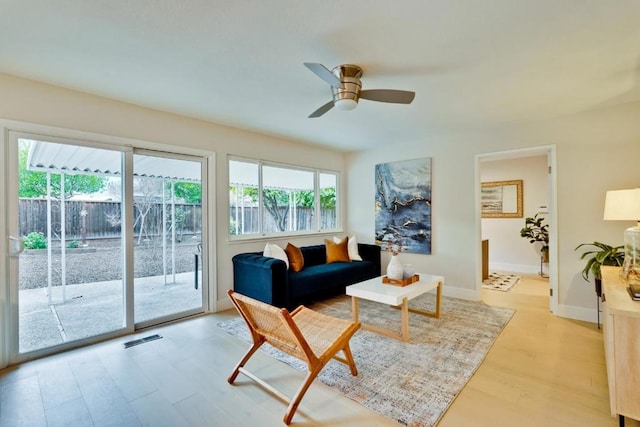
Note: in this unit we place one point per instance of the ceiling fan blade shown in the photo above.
(320, 111)
(388, 95)
(324, 73)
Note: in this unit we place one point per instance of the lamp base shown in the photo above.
(631, 267)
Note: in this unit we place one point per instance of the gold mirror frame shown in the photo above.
(494, 195)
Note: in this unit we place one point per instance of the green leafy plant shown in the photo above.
(73, 244)
(35, 240)
(189, 191)
(535, 230)
(601, 254)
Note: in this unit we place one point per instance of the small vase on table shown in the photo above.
(395, 270)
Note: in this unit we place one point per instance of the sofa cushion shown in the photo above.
(314, 255)
(352, 247)
(296, 260)
(329, 276)
(274, 251)
(337, 252)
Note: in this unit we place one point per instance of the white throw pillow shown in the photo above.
(352, 246)
(275, 251)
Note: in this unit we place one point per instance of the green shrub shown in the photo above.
(35, 240)
(73, 244)
(233, 227)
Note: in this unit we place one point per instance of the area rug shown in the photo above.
(500, 281)
(412, 383)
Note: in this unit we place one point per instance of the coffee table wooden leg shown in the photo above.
(405, 320)
(383, 331)
(436, 312)
(354, 309)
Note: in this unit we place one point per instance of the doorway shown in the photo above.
(104, 239)
(534, 168)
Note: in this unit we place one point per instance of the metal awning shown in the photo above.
(73, 159)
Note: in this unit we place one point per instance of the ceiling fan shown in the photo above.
(346, 88)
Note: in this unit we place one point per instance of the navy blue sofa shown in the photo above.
(268, 279)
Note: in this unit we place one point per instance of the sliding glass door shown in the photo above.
(91, 256)
(168, 236)
(69, 282)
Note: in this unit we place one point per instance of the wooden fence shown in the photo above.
(101, 220)
(304, 220)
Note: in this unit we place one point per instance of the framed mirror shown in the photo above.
(502, 199)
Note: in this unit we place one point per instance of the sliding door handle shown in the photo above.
(16, 246)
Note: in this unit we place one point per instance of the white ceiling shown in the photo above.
(473, 64)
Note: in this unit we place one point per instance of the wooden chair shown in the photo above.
(305, 334)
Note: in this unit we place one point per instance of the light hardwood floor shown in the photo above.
(541, 371)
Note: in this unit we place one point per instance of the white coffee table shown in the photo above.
(398, 297)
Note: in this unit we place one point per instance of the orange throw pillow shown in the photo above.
(337, 252)
(296, 260)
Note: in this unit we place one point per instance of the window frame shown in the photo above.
(261, 234)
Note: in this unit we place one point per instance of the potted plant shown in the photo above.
(601, 254)
(536, 231)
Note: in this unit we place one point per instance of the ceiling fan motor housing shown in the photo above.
(349, 75)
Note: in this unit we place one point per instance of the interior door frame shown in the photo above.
(8, 299)
(550, 152)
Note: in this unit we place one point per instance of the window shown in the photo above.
(267, 199)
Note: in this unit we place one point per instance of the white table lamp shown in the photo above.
(624, 205)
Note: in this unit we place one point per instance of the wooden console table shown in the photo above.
(621, 329)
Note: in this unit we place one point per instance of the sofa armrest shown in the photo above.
(371, 253)
(262, 278)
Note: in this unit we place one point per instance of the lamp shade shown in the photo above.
(623, 205)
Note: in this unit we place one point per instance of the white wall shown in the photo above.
(596, 151)
(27, 101)
(507, 250)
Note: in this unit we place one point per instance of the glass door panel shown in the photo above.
(167, 237)
(70, 275)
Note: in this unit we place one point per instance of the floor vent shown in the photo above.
(142, 340)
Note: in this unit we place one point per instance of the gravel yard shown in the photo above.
(100, 261)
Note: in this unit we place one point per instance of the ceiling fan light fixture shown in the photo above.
(346, 89)
(345, 104)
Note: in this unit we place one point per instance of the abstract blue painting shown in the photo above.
(403, 206)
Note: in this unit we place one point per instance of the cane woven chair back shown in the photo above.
(274, 325)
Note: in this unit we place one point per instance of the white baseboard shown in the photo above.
(224, 304)
(578, 313)
(514, 268)
(468, 294)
